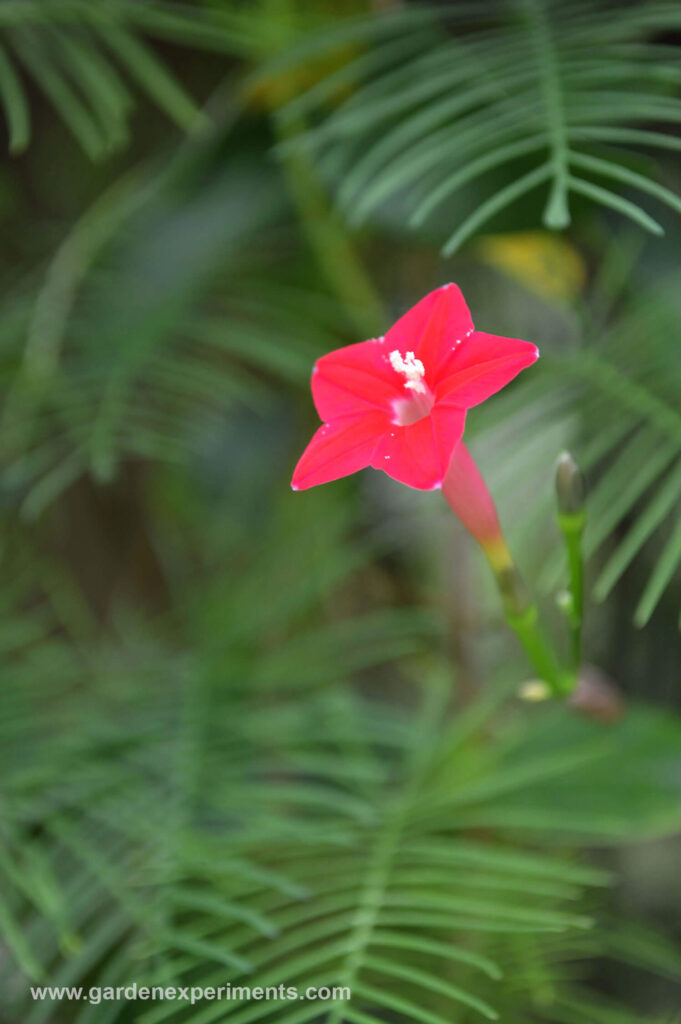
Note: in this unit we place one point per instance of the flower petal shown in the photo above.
(432, 328)
(340, 448)
(355, 379)
(482, 365)
(418, 455)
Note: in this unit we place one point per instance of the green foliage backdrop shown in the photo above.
(266, 738)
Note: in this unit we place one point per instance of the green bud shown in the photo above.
(570, 487)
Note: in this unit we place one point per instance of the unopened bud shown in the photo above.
(570, 487)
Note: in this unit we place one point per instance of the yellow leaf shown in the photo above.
(542, 262)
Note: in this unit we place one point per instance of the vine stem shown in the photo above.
(522, 615)
(467, 494)
(572, 528)
(570, 491)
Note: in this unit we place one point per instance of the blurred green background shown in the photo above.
(249, 735)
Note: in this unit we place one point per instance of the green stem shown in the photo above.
(522, 615)
(570, 495)
(572, 528)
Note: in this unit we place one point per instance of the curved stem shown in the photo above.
(468, 496)
(522, 615)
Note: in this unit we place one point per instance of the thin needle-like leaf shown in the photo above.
(665, 567)
(498, 202)
(15, 104)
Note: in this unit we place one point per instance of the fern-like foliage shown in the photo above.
(208, 834)
(171, 804)
(273, 777)
(467, 111)
(222, 803)
(107, 799)
(220, 300)
(84, 57)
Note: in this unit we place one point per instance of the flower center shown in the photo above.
(419, 402)
(412, 369)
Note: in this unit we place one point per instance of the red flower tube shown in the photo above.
(470, 500)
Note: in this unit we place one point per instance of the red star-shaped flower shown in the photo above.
(398, 403)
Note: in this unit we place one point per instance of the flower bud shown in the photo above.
(570, 487)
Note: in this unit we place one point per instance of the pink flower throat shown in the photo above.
(418, 401)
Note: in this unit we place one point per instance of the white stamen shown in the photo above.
(412, 368)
